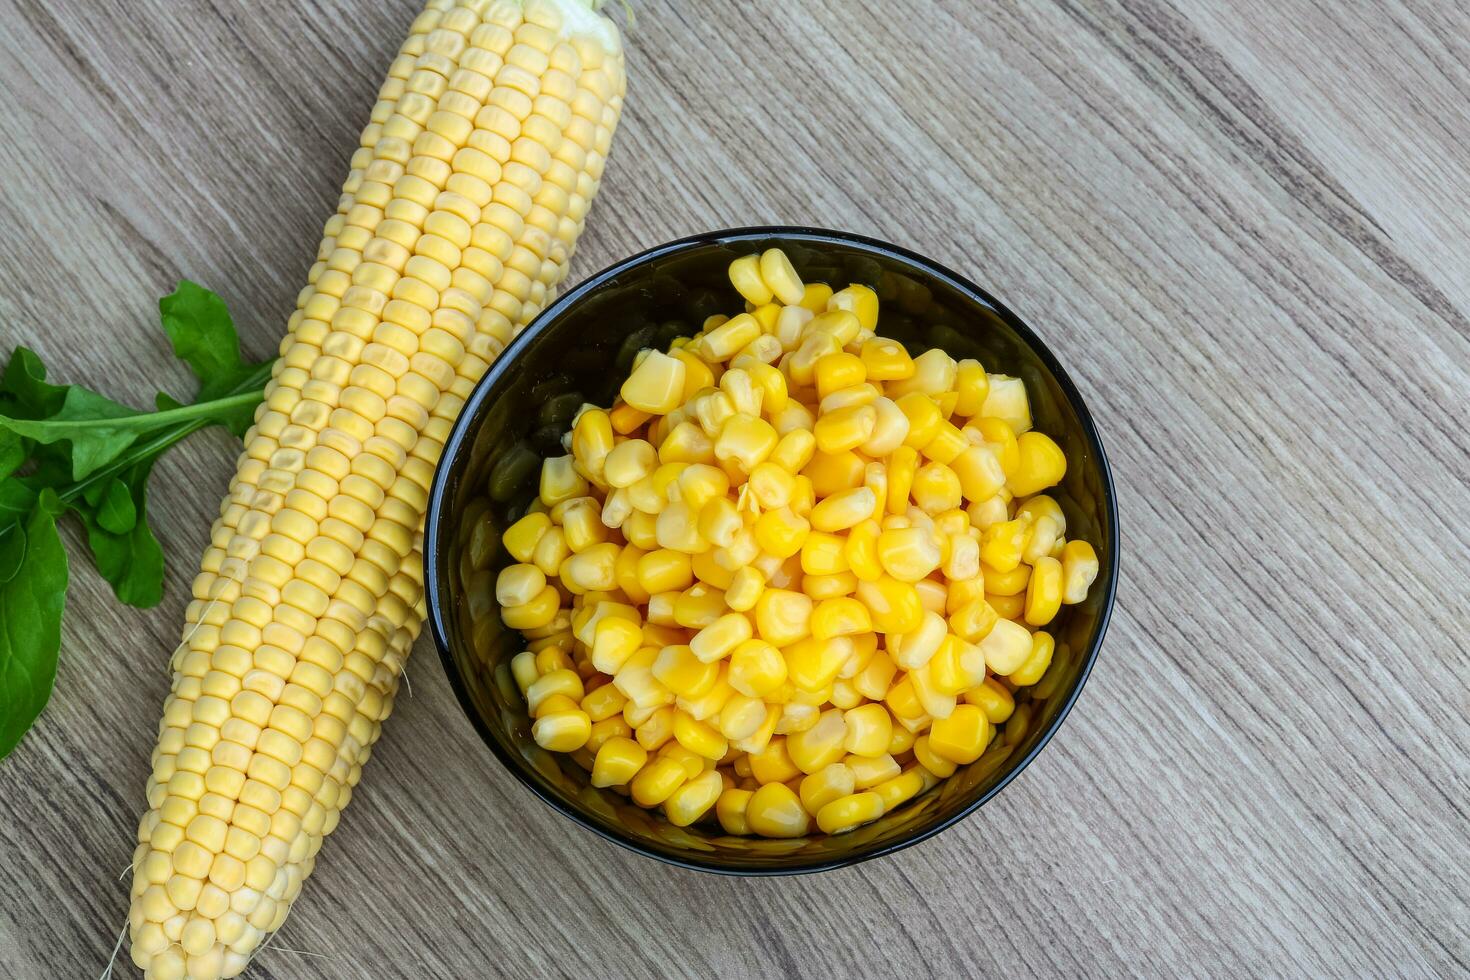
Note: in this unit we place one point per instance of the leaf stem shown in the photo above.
(239, 394)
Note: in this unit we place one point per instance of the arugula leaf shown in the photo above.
(116, 511)
(30, 620)
(203, 335)
(130, 559)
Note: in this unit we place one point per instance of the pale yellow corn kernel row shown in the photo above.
(296, 706)
(732, 564)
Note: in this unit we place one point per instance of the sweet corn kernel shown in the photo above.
(937, 764)
(772, 485)
(909, 553)
(840, 617)
(679, 670)
(1008, 606)
(1079, 571)
(745, 276)
(972, 385)
(1006, 646)
(1001, 545)
(757, 668)
(1013, 582)
(560, 481)
(521, 538)
(773, 764)
(1033, 668)
(900, 789)
(656, 385)
(992, 698)
(699, 738)
(1040, 464)
(657, 781)
(961, 737)
(721, 637)
(698, 606)
(936, 488)
(956, 667)
(694, 799)
(849, 812)
(812, 664)
(912, 650)
(618, 760)
(820, 745)
(517, 585)
(665, 570)
(775, 811)
(535, 614)
(781, 532)
(869, 730)
(1006, 400)
(832, 472)
(615, 640)
(827, 784)
(730, 810)
(564, 731)
(893, 605)
(1044, 592)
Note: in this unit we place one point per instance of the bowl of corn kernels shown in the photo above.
(771, 550)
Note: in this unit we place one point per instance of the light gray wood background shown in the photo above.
(1243, 227)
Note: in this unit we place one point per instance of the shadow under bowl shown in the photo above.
(579, 350)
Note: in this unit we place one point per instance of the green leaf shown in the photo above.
(12, 453)
(30, 623)
(115, 511)
(199, 326)
(23, 385)
(131, 560)
(12, 550)
(17, 498)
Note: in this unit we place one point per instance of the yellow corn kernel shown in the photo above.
(901, 788)
(770, 384)
(679, 670)
(947, 444)
(745, 276)
(708, 705)
(845, 428)
(772, 485)
(629, 461)
(698, 606)
(746, 439)
(693, 800)
(521, 538)
(840, 617)
(618, 760)
(876, 677)
(686, 443)
(564, 731)
(1041, 505)
(656, 385)
(730, 811)
(553, 658)
(886, 360)
(825, 785)
(677, 529)
(961, 737)
(831, 473)
(592, 570)
(972, 384)
(665, 570)
(935, 373)
(657, 781)
(781, 532)
(923, 416)
(823, 554)
(773, 764)
(535, 614)
(592, 440)
(841, 326)
(775, 810)
(849, 812)
(698, 737)
(861, 550)
(1006, 400)
(859, 300)
(820, 745)
(909, 553)
(936, 488)
(563, 681)
(1008, 606)
(698, 375)
(635, 679)
(581, 522)
(869, 730)
(560, 481)
(756, 668)
(913, 649)
(835, 372)
(1040, 464)
(517, 585)
(844, 509)
(1037, 661)
(1044, 593)
(720, 638)
(725, 340)
(894, 606)
(1079, 571)
(933, 595)
(1041, 539)
(694, 764)
(744, 589)
(783, 616)
(709, 571)
(603, 702)
(902, 741)
(554, 704)
(890, 428)
(551, 551)
(979, 472)
(615, 640)
(1001, 545)
(766, 316)
(777, 272)
(741, 716)
(957, 666)
(985, 514)
(992, 698)
(1012, 582)
(626, 419)
(870, 771)
(719, 521)
(794, 450)
(813, 664)
(697, 484)
(523, 669)
(936, 764)
(654, 731)
(834, 586)
(903, 464)
(815, 296)
(1006, 646)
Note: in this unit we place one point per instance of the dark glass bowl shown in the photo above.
(578, 351)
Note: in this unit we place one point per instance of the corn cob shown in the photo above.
(455, 227)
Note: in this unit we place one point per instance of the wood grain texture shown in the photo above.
(1243, 228)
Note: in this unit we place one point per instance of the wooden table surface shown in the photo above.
(1242, 227)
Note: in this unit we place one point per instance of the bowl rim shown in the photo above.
(460, 432)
